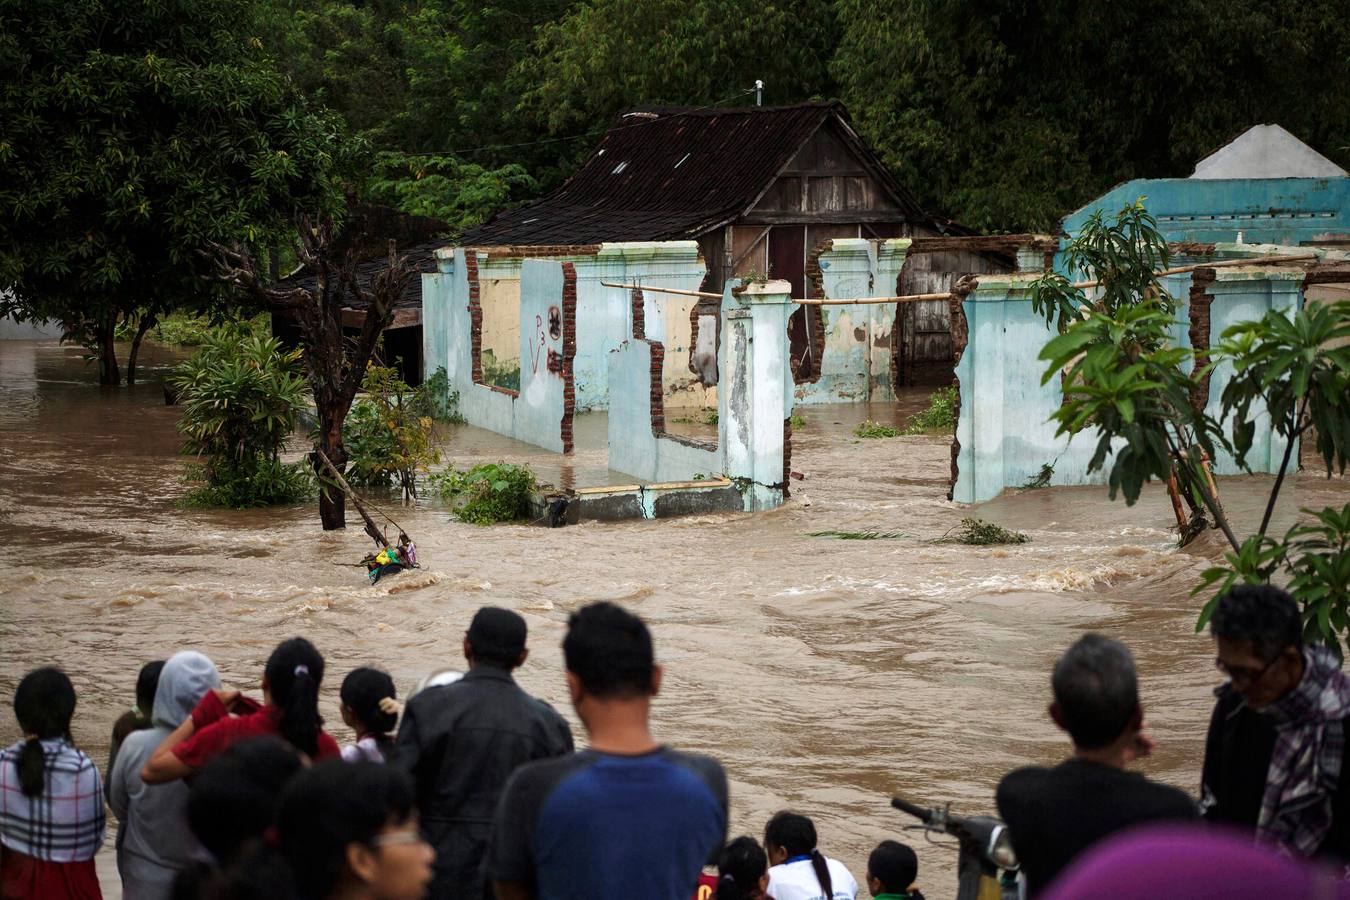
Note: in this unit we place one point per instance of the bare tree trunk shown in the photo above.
(147, 322)
(332, 500)
(104, 336)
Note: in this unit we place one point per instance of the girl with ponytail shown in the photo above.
(290, 710)
(798, 870)
(53, 820)
(370, 708)
(743, 871)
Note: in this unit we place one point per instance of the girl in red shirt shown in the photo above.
(290, 710)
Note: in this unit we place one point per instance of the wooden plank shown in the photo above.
(824, 217)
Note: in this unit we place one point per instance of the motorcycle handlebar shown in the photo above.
(918, 812)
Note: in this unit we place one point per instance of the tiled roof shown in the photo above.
(669, 173)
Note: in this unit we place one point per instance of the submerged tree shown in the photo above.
(135, 133)
(1125, 382)
(334, 365)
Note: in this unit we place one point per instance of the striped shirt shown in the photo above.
(66, 822)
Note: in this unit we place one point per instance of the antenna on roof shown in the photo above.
(759, 92)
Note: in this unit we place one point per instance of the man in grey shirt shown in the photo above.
(462, 741)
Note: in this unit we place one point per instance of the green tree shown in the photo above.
(135, 134)
(1124, 382)
(1007, 115)
(605, 55)
(388, 442)
(241, 395)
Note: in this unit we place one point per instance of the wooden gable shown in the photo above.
(828, 177)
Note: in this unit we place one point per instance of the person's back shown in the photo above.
(799, 871)
(461, 743)
(606, 825)
(627, 818)
(1055, 814)
(155, 843)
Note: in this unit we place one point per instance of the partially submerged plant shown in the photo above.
(939, 416)
(486, 493)
(1041, 479)
(387, 441)
(980, 533)
(870, 429)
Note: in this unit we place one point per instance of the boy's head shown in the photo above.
(891, 869)
(609, 656)
(1096, 692)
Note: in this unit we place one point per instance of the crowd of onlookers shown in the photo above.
(471, 788)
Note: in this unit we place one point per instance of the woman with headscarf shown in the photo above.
(157, 843)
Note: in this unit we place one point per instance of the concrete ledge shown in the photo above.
(616, 503)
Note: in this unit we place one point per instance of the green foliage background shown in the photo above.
(1002, 114)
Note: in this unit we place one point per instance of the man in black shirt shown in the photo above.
(462, 741)
(1053, 815)
(1276, 761)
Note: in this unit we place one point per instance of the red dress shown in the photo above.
(216, 730)
(23, 877)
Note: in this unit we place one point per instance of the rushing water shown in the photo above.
(825, 674)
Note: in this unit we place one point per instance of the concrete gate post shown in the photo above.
(754, 397)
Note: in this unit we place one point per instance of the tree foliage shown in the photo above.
(387, 441)
(135, 133)
(241, 395)
(1007, 115)
(1126, 385)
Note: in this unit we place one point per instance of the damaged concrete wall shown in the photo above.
(856, 361)
(602, 316)
(541, 411)
(1004, 433)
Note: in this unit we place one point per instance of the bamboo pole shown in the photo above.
(843, 301)
(1218, 264)
(661, 290)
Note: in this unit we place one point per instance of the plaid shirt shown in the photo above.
(64, 824)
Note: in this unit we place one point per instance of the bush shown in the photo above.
(186, 330)
(870, 429)
(981, 533)
(241, 395)
(487, 493)
(435, 400)
(939, 416)
(387, 441)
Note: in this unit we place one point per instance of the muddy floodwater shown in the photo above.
(825, 674)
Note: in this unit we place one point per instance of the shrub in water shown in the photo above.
(387, 441)
(939, 416)
(870, 429)
(487, 493)
(241, 394)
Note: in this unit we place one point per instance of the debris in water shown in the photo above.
(981, 533)
(870, 429)
(1040, 479)
(859, 535)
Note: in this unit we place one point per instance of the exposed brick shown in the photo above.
(787, 458)
(639, 315)
(960, 339)
(814, 315)
(1201, 299)
(475, 316)
(569, 352)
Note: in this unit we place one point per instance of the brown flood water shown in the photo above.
(825, 674)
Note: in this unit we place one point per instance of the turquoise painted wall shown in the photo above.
(1266, 210)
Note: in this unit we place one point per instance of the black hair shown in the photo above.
(1262, 614)
(362, 691)
(1096, 690)
(894, 865)
(147, 684)
(797, 835)
(233, 799)
(321, 812)
(610, 650)
(44, 704)
(740, 868)
(497, 637)
(294, 671)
